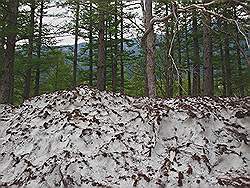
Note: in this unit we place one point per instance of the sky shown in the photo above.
(68, 39)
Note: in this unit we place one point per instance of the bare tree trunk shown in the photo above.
(224, 92)
(122, 89)
(144, 49)
(150, 51)
(7, 82)
(241, 84)
(114, 64)
(223, 71)
(179, 62)
(171, 70)
(39, 46)
(208, 79)
(111, 49)
(91, 47)
(27, 82)
(187, 56)
(196, 60)
(76, 43)
(227, 63)
(106, 32)
(2, 43)
(167, 62)
(101, 52)
(168, 65)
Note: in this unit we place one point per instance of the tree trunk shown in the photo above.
(223, 71)
(224, 91)
(2, 43)
(150, 51)
(196, 60)
(171, 69)
(106, 32)
(187, 56)
(241, 84)
(27, 82)
(101, 52)
(227, 63)
(91, 47)
(145, 52)
(168, 65)
(208, 79)
(114, 62)
(111, 50)
(76, 43)
(7, 82)
(122, 90)
(39, 46)
(179, 62)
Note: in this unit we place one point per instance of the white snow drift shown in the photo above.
(87, 138)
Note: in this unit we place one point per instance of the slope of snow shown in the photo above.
(87, 138)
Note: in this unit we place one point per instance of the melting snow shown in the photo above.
(87, 138)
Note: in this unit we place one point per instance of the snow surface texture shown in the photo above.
(87, 138)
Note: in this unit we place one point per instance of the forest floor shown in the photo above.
(87, 138)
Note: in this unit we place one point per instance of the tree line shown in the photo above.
(175, 48)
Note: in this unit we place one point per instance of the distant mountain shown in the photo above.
(131, 46)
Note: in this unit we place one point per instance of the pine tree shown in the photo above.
(207, 44)
(101, 48)
(7, 82)
(27, 82)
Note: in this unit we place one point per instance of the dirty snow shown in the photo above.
(87, 138)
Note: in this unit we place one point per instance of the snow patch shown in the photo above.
(87, 138)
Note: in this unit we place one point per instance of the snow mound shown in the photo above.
(87, 138)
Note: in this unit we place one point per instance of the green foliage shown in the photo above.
(56, 65)
(55, 73)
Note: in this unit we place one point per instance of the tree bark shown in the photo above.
(224, 91)
(39, 47)
(167, 62)
(2, 43)
(207, 43)
(27, 82)
(227, 62)
(101, 52)
(106, 46)
(168, 65)
(91, 62)
(150, 51)
(169, 78)
(196, 59)
(3, 14)
(114, 62)
(7, 82)
(179, 62)
(187, 56)
(241, 84)
(76, 43)
(111, 52)
(122, 89)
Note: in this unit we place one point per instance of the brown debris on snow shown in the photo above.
(87, 138)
